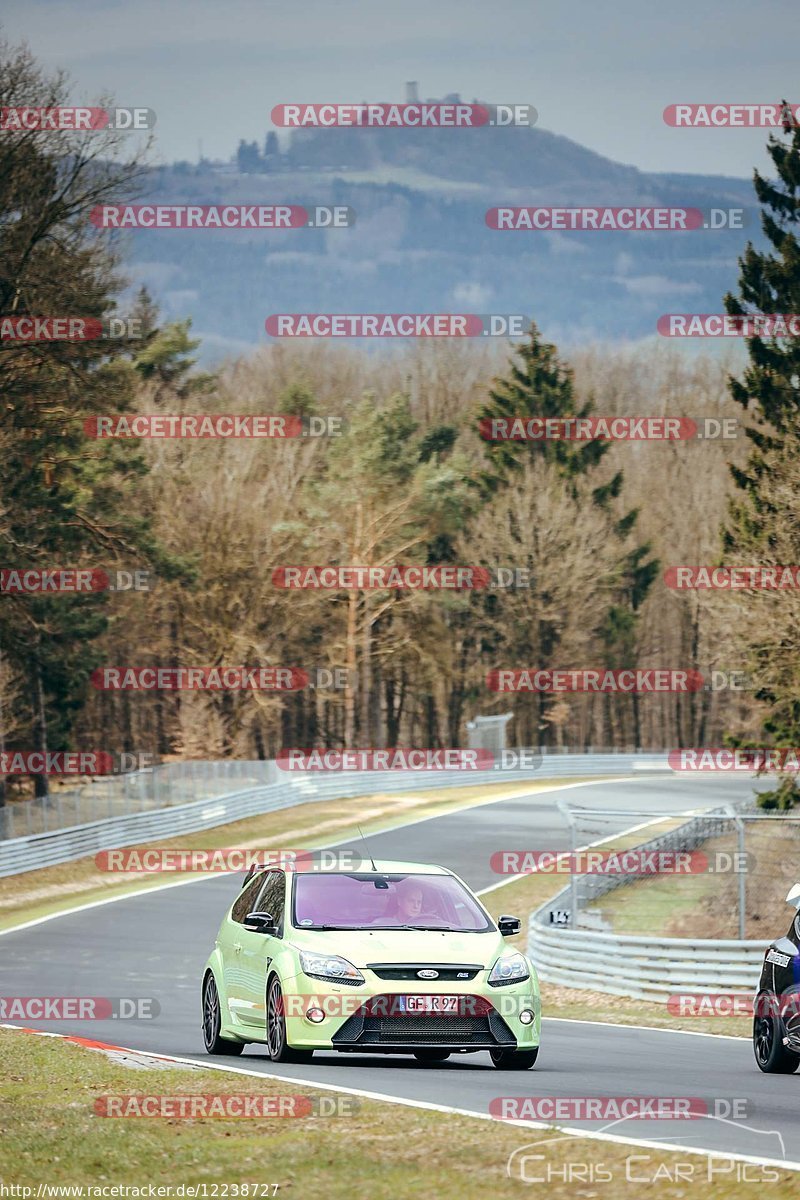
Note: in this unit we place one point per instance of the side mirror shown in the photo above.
(260, 922)
(793, 897)
(509, 926)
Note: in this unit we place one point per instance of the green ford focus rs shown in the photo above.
(398, 959)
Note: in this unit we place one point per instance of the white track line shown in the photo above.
(730, 1037)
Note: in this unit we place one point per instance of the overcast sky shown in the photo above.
(598, 71)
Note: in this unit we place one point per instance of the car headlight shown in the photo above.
(329, 966)
(510, 968)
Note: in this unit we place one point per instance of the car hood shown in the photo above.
(363, 946)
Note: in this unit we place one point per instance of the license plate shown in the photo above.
(429, 1004)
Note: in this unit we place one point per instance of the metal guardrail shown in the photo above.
(43, 849)
(647, 968)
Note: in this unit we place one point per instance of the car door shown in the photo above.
(231, 943)
(257, 951)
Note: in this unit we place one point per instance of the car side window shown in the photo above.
(247, 898)
(272, 898)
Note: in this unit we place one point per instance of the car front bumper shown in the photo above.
(373, 1017)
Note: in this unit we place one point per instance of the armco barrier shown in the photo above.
(21, 854)
(650, 968)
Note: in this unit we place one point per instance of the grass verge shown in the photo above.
(51, 1135)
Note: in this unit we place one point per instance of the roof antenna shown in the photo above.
(381, 883)
(366, 847)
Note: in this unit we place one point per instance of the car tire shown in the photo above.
(431, 1056)
(212, 1021)
(277, 1045)
(771, 1055)
(514, 1060)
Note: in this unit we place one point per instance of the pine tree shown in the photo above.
(66, 501)
(164, 356)
(272, 151)
(541, 385)
(248, 158)
(769, 282)
(538, 385)
(769, 391)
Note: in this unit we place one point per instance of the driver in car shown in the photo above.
(407, 904)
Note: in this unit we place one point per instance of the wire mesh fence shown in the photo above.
(173, 784)
(158, 787)
(723, 873)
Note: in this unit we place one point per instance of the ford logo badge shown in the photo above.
(427, 974)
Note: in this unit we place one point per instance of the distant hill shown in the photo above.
(420, 243)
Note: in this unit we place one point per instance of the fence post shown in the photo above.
(740, 831)
(573, 878)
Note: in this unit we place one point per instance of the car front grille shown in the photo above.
(462, 972)
(460, 1030)
(427, 1029)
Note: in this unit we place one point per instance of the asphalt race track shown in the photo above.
(156, 944)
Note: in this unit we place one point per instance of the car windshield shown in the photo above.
(392, 901)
